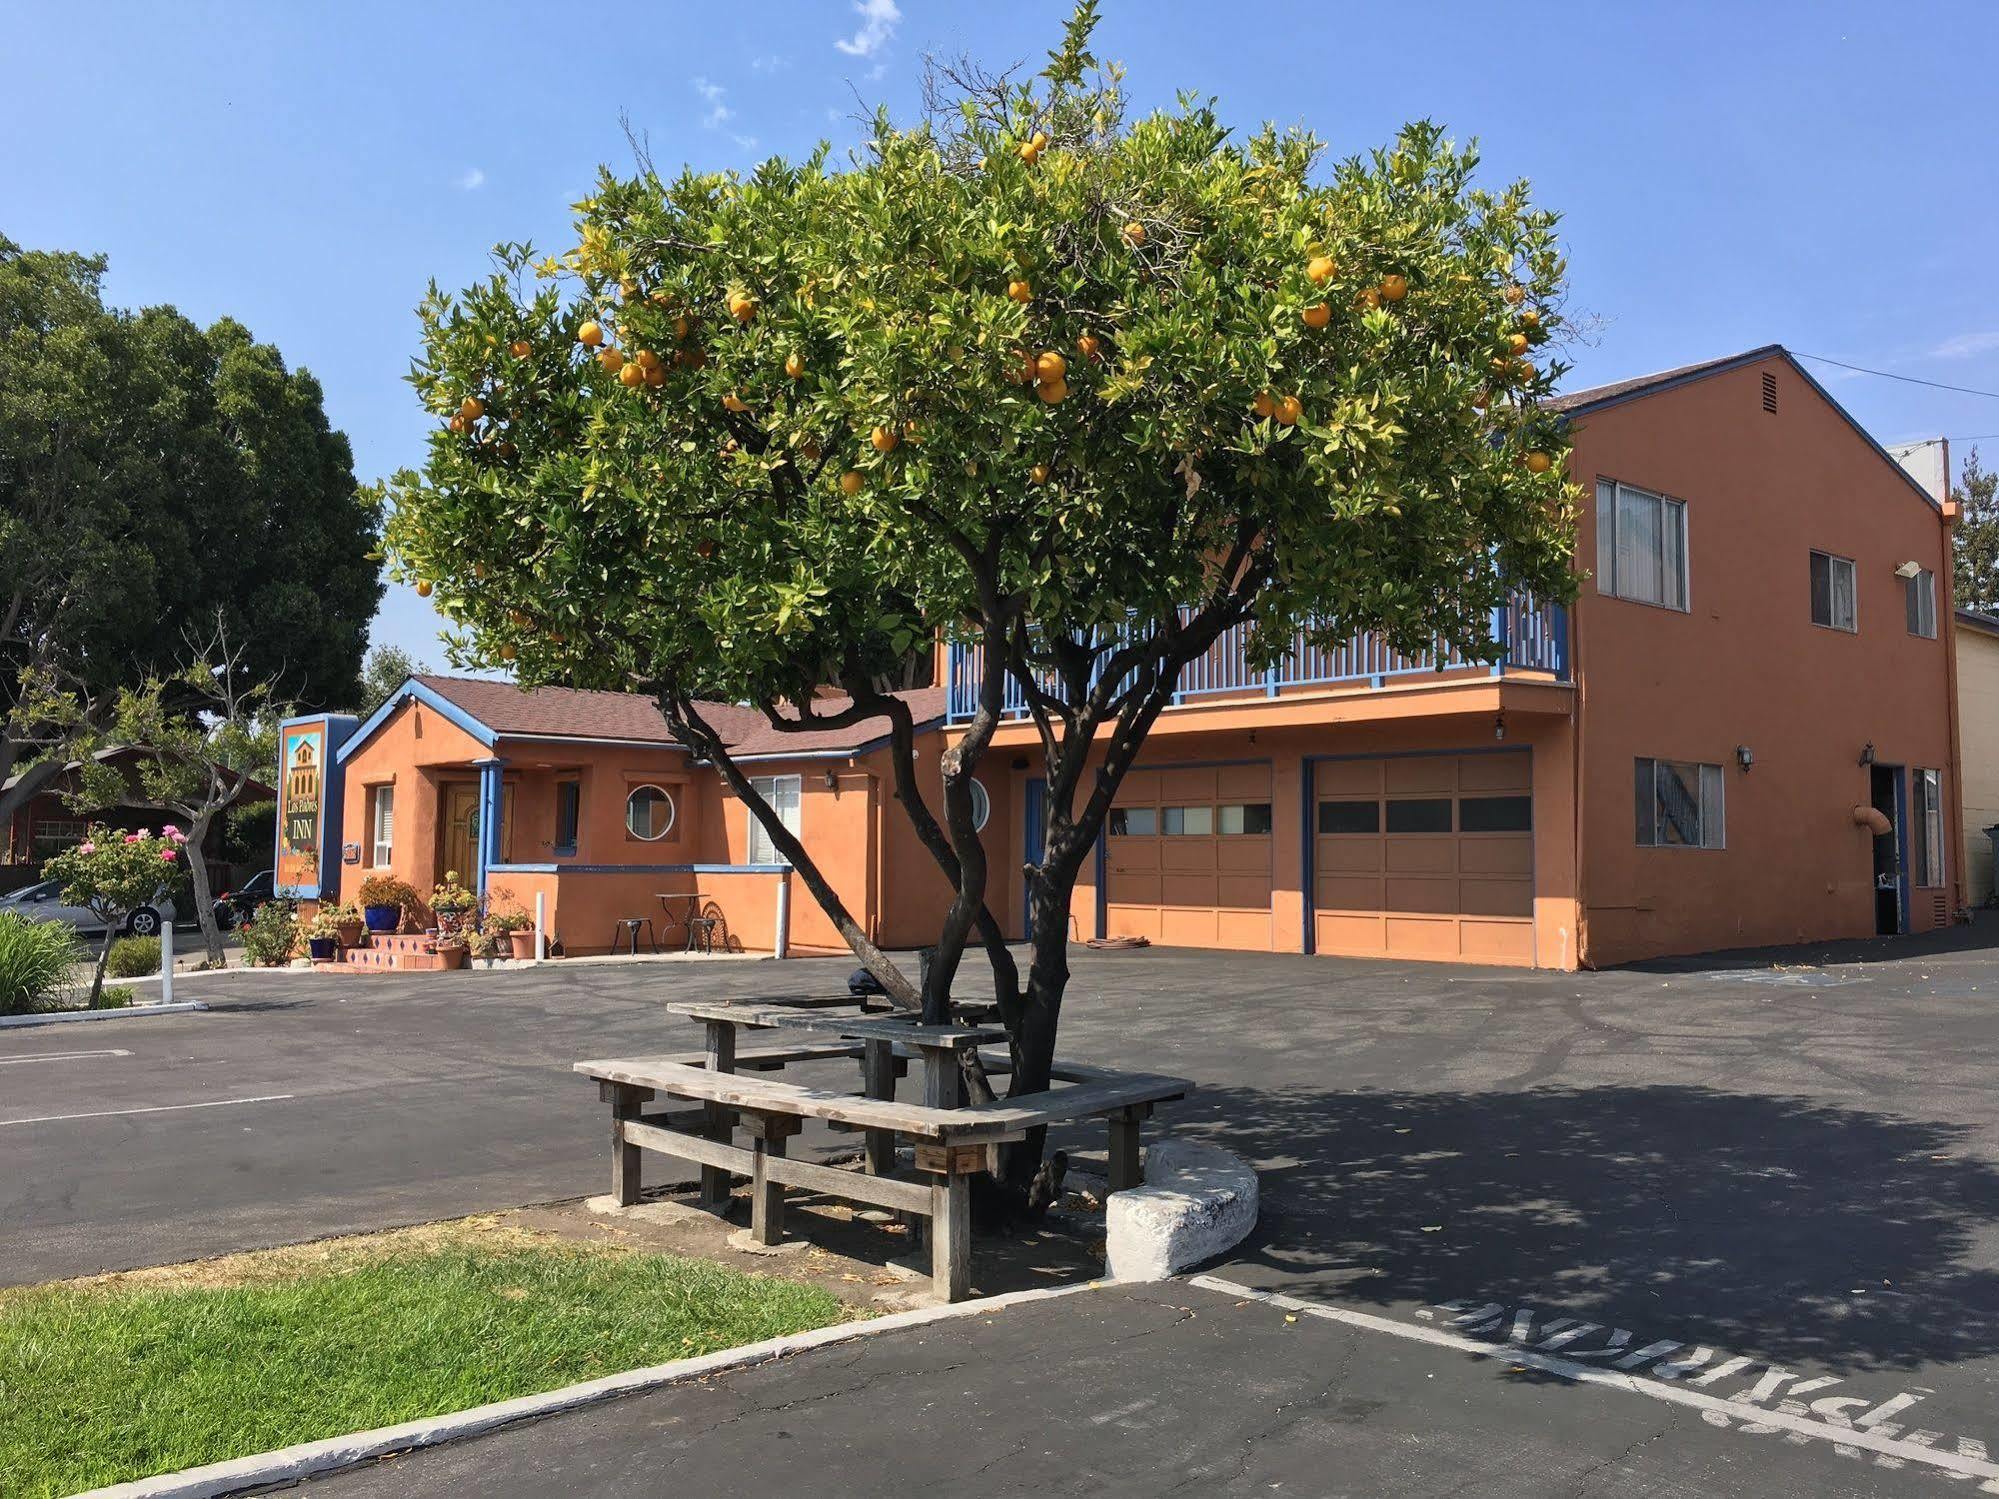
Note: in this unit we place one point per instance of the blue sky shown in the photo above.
(1820, 175)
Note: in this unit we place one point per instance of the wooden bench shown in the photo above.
(951, 1142)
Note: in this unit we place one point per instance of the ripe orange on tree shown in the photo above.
(1020, 291)
(1319, 269)
(1053, 391)
(1539, 463)
(1369, 297)
(851, 482)
(1134, 234)
(883, 439)
(647, 360)
(1516, 343)
(1289, 409)
(1394, 287)
(507, 653)
(612, 360)
(630, 376)
(742, 306)
(520, 348)
(1088, 344)
(735, 402)
(1265, 405)
(794, 366)
(1317, 315)
(423, 588)
(457, 423)
(471, 408)
(1516, 294)
(590, 334)
(1038, 474)
(656, 376)
(1050, 366)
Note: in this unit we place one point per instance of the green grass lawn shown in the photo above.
(157, 1371)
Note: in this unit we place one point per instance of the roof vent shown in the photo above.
(1769, 391)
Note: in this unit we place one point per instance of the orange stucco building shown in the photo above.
(1741, 733)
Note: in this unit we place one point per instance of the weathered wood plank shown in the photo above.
(882, 1028)
(1124, 1172)
(896, 1192)
(951, 1237)
(625, 1168)
(772, 1095)
(1059, 1105)
(878, 1083)
(719, 1057)
(766, 1192)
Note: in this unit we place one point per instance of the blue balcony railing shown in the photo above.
(1535, 637)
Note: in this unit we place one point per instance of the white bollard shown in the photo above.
(782, 943)
(166, 962)
(541, 926)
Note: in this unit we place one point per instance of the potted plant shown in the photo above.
(383, 900)
(450, 901)
(322, 935)
(516, 927)
(347, 927)
(481, 947)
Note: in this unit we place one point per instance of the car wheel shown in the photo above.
(144, 922)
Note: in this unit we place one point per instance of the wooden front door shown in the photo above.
(459, 832)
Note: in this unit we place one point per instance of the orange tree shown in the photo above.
(1080, 389)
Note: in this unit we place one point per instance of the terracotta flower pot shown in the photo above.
(522, 942)
(350, 933)
(453, 953)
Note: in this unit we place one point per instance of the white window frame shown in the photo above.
(1921, 600)
(785, 794)
(1672, 592)
(381, 826)
(1834, 562)
(672, 812)
(1711, 804)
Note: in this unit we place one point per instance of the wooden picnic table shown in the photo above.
(732, 1087)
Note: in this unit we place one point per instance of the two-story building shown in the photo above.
(1742, 733)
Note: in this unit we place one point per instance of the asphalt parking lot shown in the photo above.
(1776, 1177)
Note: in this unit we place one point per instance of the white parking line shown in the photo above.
(63, 1056)
(1960, 1464)
(163, 1108)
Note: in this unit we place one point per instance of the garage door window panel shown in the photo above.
(1133, 822)
(1495, 814)
(1343, 818)
(1424, 814)
(1187, 822)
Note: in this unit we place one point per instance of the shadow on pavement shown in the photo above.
(1980, 934)
(1773, 1226)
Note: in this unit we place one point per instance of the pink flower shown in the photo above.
(134, 837)
(86, 848)
(166, 856)
(174, 833)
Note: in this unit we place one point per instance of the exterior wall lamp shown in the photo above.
(1744, 756)
(1867, 753)
(1499, 726)
(1908, 569)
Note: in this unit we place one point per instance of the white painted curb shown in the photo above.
(1198, 1200)
(289, 1464)
(127, 1012)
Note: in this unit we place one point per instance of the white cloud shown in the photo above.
(473, 180)
(1966, 346)
(770, 62)
(719, 113)
(878, 20)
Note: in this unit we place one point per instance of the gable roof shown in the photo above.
(1598, 397)
(490, 710)
(1979, 620)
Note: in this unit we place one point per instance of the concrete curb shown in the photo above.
(1198, 1200)
(307, 1459)
(127, 1012)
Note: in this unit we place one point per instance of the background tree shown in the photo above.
(386, 669)
(207, 734)
(151, 472)
(1977, 536)
(1077, 392)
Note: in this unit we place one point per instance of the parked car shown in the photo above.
(43, 902)
(233, 907)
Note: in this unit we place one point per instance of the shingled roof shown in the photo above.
(1603, 395)
(574, 713)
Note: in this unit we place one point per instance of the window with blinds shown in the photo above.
(1641, 545)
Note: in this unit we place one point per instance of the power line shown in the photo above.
(1861, 369)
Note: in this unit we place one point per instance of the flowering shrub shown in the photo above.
(112, 874)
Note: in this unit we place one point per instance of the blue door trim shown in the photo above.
(1036, 825)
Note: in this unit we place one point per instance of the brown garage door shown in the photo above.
(1425, 856)
(1187, 857)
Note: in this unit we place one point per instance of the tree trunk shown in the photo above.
(103, 957)
(1031, 1043)
(204, 896)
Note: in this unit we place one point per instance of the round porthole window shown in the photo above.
(648, 813)
(982, 805)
